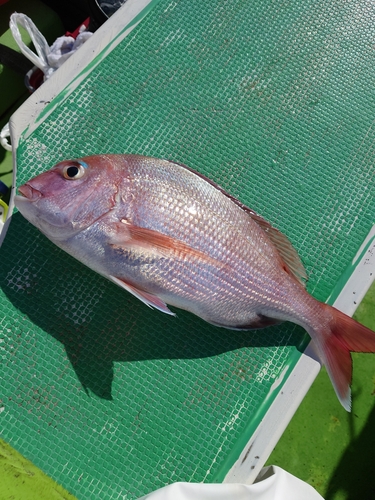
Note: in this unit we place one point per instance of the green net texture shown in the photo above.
(275, 102)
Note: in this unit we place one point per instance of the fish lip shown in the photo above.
(29, 192)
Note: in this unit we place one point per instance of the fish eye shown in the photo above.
(73, 172)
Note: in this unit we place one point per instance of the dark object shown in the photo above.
(71, 12)
(109, 7)
(14, 60)
(97, 16)
(101, 10)
(3, 189)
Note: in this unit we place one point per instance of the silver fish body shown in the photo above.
(170, 236)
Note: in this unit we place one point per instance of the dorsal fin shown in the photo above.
(286, 250)
(288, 254)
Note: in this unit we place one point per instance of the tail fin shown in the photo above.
(345, 335)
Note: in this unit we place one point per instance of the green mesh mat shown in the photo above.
(274, 101)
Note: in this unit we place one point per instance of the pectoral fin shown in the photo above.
(147, 298)
(130, 236)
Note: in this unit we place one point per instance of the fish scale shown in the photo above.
(202, 231)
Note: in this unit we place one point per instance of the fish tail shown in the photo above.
(343, 335)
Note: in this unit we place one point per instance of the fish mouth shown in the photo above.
(29, 192)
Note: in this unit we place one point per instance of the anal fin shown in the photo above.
(147, 298)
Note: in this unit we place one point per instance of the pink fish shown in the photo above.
(168, 235)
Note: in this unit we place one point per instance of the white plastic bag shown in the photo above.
(47, 59)
(272, 483)
(40, 43)
(63, 47)
(4, 136)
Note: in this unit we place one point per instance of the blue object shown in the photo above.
(3, 189)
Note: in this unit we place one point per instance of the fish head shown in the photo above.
(70, 196)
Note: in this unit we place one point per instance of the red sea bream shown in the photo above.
(170, 236)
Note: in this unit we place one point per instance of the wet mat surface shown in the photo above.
(275, 102)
